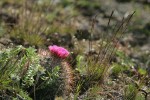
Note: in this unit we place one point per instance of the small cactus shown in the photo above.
(57, 57)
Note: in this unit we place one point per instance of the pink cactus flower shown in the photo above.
(59, 51)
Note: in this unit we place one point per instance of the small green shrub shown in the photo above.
(18, 66)
(130, 92)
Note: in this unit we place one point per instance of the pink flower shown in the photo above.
(59, 51)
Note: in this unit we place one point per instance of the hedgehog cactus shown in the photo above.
(61, 54)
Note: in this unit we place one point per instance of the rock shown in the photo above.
(10, 20)
(5, 41)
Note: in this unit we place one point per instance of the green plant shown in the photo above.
(140, 96)
(29, 27)
(18, 66)
(58, 79)
(48, 84)
(116, 69)
(123, 65)
(93, 70)
(88, 69)
(130, 92)
(88, 4)
(2, 30)
(93, 93)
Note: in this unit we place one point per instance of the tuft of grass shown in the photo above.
(60, 28)
(2, 30)
(30, 26)
(93, 70)
(88, 4)
(140, 96)
(130, 92)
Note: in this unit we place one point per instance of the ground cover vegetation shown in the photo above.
(74, 50)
